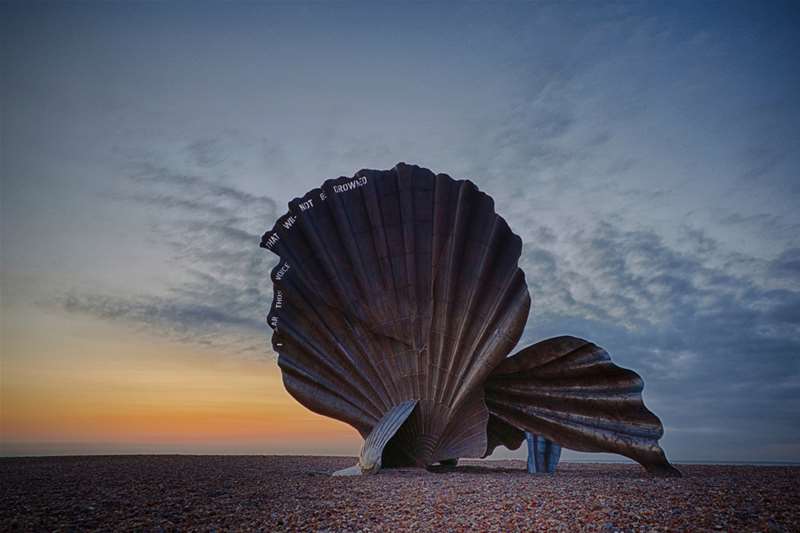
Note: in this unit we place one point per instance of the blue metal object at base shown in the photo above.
(543, 454)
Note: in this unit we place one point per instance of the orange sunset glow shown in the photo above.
(119, 392)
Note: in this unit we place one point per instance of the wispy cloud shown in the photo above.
(712, 344)
(212, 230)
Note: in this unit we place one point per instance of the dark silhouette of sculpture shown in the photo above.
(397, 299)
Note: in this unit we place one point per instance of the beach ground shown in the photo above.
(285, 493)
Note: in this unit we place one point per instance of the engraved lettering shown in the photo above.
(282, 271)
(272, 241)
(350, 185)
(289, 222)
(308, 204)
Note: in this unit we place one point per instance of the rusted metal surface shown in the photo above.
(394, 286)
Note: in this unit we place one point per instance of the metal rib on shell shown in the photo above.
(393, 286)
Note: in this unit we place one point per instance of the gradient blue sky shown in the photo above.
(647, 153)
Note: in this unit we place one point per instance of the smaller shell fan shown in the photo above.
(394, 286)
(568, 390)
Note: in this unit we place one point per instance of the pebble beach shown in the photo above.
(290, 493)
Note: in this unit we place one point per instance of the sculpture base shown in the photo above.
(543, 454)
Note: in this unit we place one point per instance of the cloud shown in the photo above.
(714, 346)
(184, 320)
(207, 152)
(787, 265)
(219, 289)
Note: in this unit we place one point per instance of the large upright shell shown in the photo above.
(393, 286)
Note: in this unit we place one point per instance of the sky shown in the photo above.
(648, 154)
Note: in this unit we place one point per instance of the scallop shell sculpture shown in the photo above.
(396, 301)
